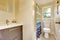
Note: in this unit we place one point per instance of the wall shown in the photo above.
(26, 16)
(4, 15)
(3, 11)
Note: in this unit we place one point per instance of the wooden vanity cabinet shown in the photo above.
(11, 34)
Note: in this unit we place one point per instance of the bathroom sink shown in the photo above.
(47, 30)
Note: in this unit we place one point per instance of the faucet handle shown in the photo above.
(13, 21)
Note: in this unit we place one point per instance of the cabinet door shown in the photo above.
(1, 35)
(15, 33)
(12, 34)
(4, 34)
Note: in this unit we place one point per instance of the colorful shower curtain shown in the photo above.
(38, 31)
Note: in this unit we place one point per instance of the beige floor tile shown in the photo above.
(42, 38)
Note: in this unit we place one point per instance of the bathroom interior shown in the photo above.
(29, 19)
(47, 19)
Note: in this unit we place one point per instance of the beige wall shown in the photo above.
(3, 11)
(4, 15)
(26, 16)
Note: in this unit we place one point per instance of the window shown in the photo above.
(47, 12)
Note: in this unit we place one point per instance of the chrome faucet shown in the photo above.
(7, 21)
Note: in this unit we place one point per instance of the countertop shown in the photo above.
(9, 26)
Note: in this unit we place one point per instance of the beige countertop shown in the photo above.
(9, 26)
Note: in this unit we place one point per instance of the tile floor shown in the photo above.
(42, 38)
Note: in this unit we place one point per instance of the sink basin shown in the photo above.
(47, 30)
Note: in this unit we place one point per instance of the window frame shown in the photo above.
(43, 12)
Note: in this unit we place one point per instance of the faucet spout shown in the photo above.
(7, 21)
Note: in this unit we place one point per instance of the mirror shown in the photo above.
(8, 8)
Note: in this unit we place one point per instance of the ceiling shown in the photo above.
(42, 2)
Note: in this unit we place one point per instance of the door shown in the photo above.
(57, 22)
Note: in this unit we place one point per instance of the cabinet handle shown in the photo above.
(57, 22)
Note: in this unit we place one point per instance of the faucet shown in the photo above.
(7, 21)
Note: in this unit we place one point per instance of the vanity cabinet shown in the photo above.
(11, 34)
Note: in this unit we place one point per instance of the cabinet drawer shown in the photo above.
(13, 29)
